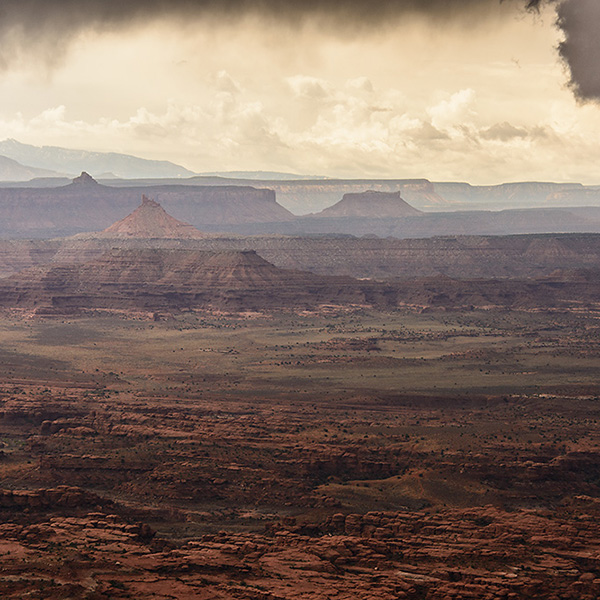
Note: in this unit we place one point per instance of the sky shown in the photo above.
(449, 90)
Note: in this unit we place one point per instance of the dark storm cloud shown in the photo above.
(580, 22)
(68, 15)
(44, 28)
(51, 24)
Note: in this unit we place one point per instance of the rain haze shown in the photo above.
(299, 299)
(478, 91)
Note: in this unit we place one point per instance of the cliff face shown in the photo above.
(517, 195)
(173, 279)
(85, 205)
(458, 257)
(575, 196)
(17, 255)
(461, 257)
(158, 279)
(310, 196)
(431, 224)
(303, 197)
(385, 210)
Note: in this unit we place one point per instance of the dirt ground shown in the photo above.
(340, 453)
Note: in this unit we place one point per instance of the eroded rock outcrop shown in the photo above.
(147, 279)
(150, 221)
(85, 205)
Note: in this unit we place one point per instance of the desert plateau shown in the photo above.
(181, 418)
(300, 300)
(269, 455)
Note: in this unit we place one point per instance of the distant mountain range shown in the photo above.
(85, 205)
(23, 165)
(24, 162)
(263, 175)
(56, 161)
(11, 170)
(304, 196)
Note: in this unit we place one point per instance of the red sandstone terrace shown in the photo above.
(182, 417)
(231, 502)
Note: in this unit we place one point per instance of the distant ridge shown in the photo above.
(151, 279)
(85, 205)
(12, 170)
(263, 176)
(371, 204)
(65, 160)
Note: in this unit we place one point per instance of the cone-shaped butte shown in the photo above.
(150, 220)
(84, 179)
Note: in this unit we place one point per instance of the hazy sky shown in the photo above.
(471, 90)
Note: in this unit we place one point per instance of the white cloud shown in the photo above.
(305, 86)
(453, 111)
(400, 104)
(225, 83)
(363, 84)
(351, 136)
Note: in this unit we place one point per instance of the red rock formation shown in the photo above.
(85, 179)
(85, 205)
(150, 220)
(498, 257)
(370, 204)
(150, 279)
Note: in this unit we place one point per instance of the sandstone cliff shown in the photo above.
(85, 205)
(460, 257)
(154, 279)
(149, 279)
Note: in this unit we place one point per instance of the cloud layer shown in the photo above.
(49, 26)
(580, 22)
(356, 129)
(69, 15)
(464, 89)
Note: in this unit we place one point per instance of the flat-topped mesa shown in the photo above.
(150, 220)
(371, 204)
